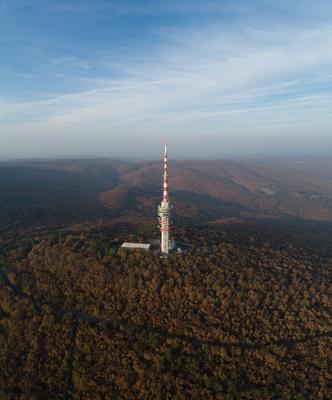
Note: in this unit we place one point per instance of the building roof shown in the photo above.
(143, 246)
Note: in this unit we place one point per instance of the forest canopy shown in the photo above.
(244, 314)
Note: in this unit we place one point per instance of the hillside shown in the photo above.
(247, 188)
(246, 314)
(69, 191)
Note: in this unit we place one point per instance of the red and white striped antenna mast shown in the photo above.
(165, 180)
(164, 209)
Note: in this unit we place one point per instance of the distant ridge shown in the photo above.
(70, 191)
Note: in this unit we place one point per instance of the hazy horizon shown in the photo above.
(220, 79)
(305, 156)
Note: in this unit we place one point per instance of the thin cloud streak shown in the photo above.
(195, 80)
(241, 73)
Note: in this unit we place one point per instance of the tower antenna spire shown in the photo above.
(165, 180)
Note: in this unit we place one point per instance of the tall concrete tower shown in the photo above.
(164, 211)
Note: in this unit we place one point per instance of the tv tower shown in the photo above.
(164, 211)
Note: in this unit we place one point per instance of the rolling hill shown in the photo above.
(243, 313)
(68, 191)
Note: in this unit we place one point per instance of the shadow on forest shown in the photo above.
(140, 330)
(122, 324)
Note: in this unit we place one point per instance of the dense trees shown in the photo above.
(244, 315)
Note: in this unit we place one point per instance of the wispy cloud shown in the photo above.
(213, 82)
(206, 74)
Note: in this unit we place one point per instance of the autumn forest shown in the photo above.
(243, 313)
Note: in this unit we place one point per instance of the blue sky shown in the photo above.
(113, 78)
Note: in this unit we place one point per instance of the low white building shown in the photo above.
(139, 246)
